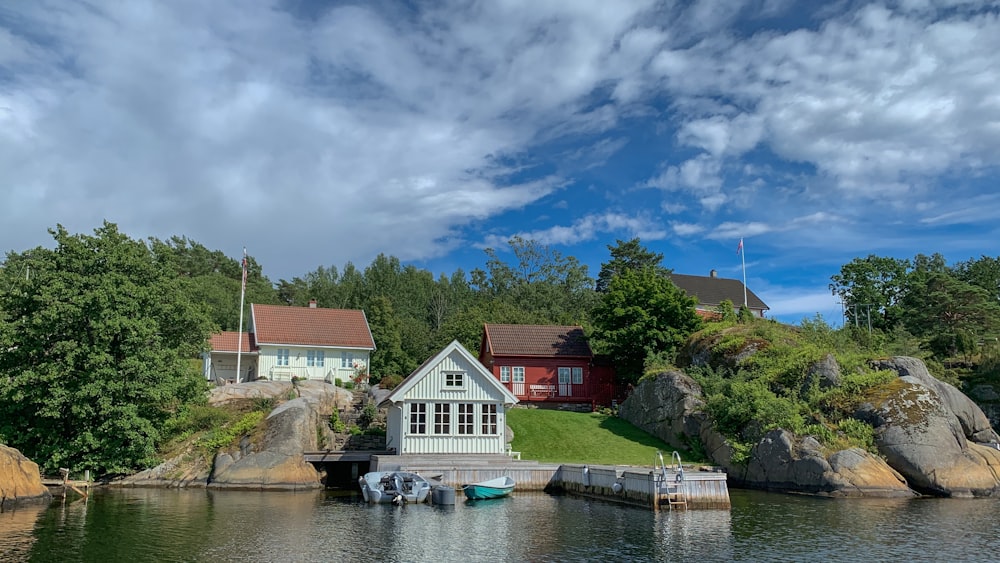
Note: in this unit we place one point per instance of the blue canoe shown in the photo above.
(494, 488)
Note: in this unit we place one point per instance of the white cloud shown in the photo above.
(587, 228)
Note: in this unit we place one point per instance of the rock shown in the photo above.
(824, 374)
(668, 406)
(278, 463)
(921, 437)
(179, 471)
(975, 425)
(20, 480)
(781, 463)
(326, 395)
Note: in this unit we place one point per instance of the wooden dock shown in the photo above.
(60, 486)
(695, 488)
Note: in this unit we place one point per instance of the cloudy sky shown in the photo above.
(316, 133)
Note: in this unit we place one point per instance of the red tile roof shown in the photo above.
(227, 341)
(536, 340)
(311, 326)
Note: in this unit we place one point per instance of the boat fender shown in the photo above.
(617, 488)
(399, 500)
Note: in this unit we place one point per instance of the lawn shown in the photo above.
(573, 437)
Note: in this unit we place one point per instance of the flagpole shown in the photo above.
(239, 332)
(743, 257)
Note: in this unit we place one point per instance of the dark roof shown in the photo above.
(536, 340)
(228, 341)
(311, 326)
(711, 290)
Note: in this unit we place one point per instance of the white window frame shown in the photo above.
(454, 380)
(281, 356)
(466, 419)
(315, 358)
(517, 374)
(442, 419)
(564, 376)
(504, 374)
(489, 420)
(418, 418)
(347, 359)
(577, 376)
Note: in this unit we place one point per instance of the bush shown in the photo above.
(225, 436)
(368, 415)
(338, 382)
(390, 382)
(348, 385)
(336, 424)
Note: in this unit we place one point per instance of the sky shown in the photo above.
(314, 133)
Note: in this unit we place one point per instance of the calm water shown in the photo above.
(140, 525)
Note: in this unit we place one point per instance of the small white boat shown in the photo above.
(397, 487)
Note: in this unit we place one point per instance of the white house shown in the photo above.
(304, 342)
(450, 405)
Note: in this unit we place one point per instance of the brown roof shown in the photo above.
(227, 341)
(311, 326)
(712, 290)
(536, 340)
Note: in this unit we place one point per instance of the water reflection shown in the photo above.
(175, 525)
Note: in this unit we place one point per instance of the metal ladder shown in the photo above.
(673, 490)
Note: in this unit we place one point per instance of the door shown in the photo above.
(565, 388)
(517, 377)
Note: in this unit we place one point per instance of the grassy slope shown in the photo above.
(572, 437)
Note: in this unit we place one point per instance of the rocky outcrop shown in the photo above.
(783, 463)
(975, 425)
(327, 396)
(277, 463)
(920, 435)
(669, 406)
(20, 480)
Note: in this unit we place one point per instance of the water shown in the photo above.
(138, 525)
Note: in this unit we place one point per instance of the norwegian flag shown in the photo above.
(740, 247)
(244, 268)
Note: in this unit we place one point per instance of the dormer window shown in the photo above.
(454, 380)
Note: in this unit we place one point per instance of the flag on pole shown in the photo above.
(740, 247)
(244, 268)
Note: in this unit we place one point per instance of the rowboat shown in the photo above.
(397, 487)
(494, 488)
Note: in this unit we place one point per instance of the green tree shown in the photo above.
(95, 353)
(871, 288)
(950, 314)
(983, 272)
(642, 313)
(627, 255)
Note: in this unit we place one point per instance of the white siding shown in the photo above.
(298, 360)
(477, 389)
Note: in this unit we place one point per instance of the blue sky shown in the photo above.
(316, 133)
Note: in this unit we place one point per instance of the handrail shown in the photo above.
(680, 467)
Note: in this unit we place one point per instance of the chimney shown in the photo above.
(312, 303)
(713, 274)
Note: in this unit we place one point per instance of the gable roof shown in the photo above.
(535, 340)
(311, 326)
(712, 290)
(227, 342)
(399, 393)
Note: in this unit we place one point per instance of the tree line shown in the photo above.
(100, 335)
(953, 310)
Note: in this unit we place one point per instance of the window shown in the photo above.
(518, 375)
(282, 357)
(442, 418)
(418, 418)
(490, 419)
(454, 379)
(577, 376)
(314, 358)
(563, 376)
(347, 359)
(466, 418)
(504, 374)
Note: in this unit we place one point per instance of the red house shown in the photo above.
(547, 364)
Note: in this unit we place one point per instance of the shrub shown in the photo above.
(336, 424)
(368, 415)
(390, 381)
(338, 382)
(348, 385)
(225, 436)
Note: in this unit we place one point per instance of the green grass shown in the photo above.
(573, 437)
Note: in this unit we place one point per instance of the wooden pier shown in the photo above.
(663, 488)
(60, 486)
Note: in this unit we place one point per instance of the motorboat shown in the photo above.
(397, 487)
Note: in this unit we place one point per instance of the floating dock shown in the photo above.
(660, 487)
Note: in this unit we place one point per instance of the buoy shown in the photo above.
(398, 500)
